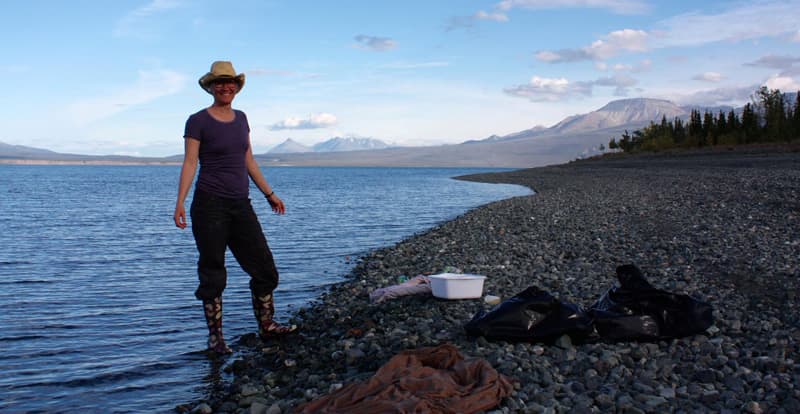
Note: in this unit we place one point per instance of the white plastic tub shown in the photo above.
(457, 286)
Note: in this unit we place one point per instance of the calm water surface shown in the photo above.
(96, 284)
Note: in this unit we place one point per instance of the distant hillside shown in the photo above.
(21, 151)
(574, 137)
(339, 144)
(20, 154)
(336, 144)
(535, 151)
(289, 146)
(621, 112)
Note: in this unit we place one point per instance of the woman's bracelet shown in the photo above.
(270, 194)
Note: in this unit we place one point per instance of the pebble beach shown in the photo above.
(722, 226)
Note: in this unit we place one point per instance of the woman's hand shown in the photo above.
(276, 203)
(180, 216)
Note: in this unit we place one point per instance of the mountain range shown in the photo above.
(334, 144)
(574, 137)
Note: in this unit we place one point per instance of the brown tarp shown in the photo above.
(426, 380)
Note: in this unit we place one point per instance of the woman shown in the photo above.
(218, 137)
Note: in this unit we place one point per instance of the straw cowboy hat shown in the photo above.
(219, 70)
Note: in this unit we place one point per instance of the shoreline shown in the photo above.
(87, 162)
(725, 229)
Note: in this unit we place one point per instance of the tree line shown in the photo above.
(769, 118)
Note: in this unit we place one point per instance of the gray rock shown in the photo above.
(258, 408)
(202, 408)
(251, 389)
(708, 224)
(753, 407)
(564, 342)
(667, 392)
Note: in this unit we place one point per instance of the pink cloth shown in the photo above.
(419, 285)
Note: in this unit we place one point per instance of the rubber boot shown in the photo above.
(213, 311)
(264, 310)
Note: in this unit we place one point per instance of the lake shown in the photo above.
(97, 302)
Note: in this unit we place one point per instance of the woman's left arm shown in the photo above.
(261, 182)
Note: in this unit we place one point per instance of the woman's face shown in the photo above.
(224, 90)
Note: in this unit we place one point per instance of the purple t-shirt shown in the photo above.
(223, 145)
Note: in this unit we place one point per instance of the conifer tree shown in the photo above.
(769, 117)
(772, 103)
(796, 117)
(722, 125)
(709, 135)
(679, 134)
(749, 124)
(695, 126)
(734, 128)
(733, 121)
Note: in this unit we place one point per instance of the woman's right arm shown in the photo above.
(190, 156)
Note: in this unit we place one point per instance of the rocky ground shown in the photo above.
(723, 227)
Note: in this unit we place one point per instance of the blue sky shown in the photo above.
(100, 77)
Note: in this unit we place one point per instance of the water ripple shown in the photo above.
(97, 301)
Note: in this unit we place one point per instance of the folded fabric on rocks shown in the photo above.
(426, 380)
(419, 285)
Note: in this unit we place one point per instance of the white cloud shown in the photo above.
(643, 66)
(374, 43)
(784, 83)
(131, 24)
(548, 56)
(742, 22)
(412, 65)
(620, 83)
(616, 6)
(626, 40)
(495, 16)
(721, 96)
(750, 20)
(775, 62)
(501, 9)
(560, 89)
(150, 86)
(709, 77)
(321, 120)
(280, 73)
(468, 22)
(789, 66)
(549, 89)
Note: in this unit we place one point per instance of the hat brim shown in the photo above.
(208, 79)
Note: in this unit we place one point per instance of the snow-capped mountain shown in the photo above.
(288, 147)
(338, 144)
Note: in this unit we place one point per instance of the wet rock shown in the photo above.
(694, 224)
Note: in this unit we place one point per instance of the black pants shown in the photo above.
(219, 223)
